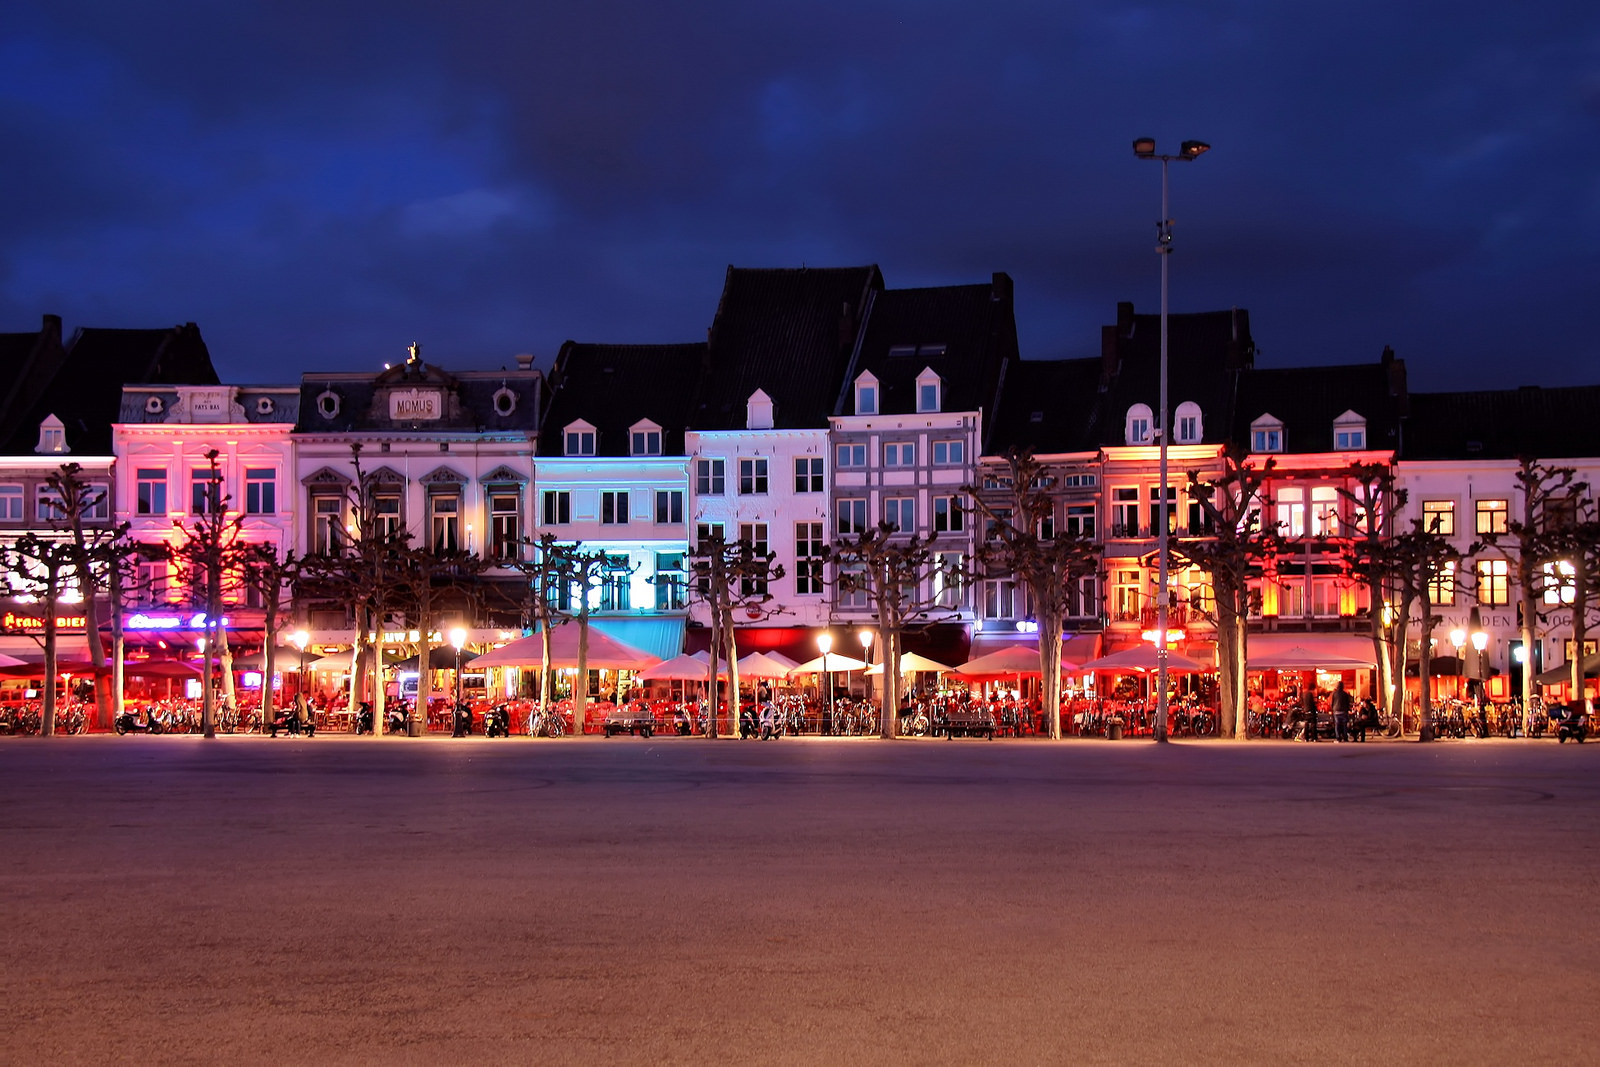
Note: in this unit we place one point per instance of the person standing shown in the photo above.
(1339, 704)
(1308, 711)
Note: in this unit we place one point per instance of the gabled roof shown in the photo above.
(85, 393)
(1048, 406)
(28, 362)
(1309, 400)
(788, 332)
(612, 387)
(1503, 424)
(967, 334)
(360, 402)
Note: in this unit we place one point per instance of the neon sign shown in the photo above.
(29, 623)
(142, 621)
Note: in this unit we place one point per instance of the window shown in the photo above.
(671, 582)
(1082, 602)
(707, 539)
(1266, 434)
(150, 491)
(557, 507)
(1080, 520)
(1557, 582)
(851, 591)
(616, 583)
(1349, 440)
(808, 474)
(949, 453)
(444, 522)
(1125, 512)
(996, 520)
(1199, 523)
(1291, 598)
(901, 513)
(505, 525)
(327, 523)
(900, 454)
(669, 506)
(1494, 579)
(866, 394)
(808, 550)
(1172, 508)
(386, 514)
(580, 441)
(705, 533)
(205, 492)
(752, 477)
(851, 515)
(645, 442)
(1188, 424)
(1000, 599)
(52, 436)
(152, 581)
(709, 477)
(756, 534)
(948, 580)
(260, 491)
(614, 507)
(850, 456)
(1080, 481)
(928, 390)
(1442, 586)
(948, 515)
(1324, 598)
(1046, 530)
(1136, 431)
(1439, 516)
(1492, 516)
(1127, 596)
(1324, 511)
(11, 509)
(1291, 511)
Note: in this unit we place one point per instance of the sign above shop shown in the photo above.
(416, 405)
(12, 622)
(142, 621)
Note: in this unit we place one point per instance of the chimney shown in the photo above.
(1241, 346)
(1125, 317)
(1110, 354)
(1387, 357)
(524, 360)
(1000, 288)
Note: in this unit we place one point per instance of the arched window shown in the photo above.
(1188, 427)
(1137, 428)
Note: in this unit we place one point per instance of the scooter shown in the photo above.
(128, 723)
(394, 720)
(497, 721)
(364, 718)
(462, 721)
(1574, 725)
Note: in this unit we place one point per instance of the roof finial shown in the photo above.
(415, 351)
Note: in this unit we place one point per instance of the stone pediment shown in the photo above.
(326, 476)
(443, 476)
(504, 473)
(386, 476)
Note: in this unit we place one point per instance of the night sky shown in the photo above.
(318, 184)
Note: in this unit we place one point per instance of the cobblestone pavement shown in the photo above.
(804, 901)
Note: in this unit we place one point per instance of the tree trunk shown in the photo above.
(1580, 620)
(230, 694)
(732, 648)
(118, 638)
(47, 721)
(716, 656)
(889, 649)
(1229, 705)
(544, 668)
(269, 659)
(419, 711)
(580, 689)
(1050, 663)
(1424, 669)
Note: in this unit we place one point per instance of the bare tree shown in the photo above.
(1021, 540)
(586, 571)
(1373, 502)
(1418, 566)
(208, 560)
(74, 504)
(263, 570)
(547, 567)
(424, 574)
(1233, 550)
(731, 577)
(896, 573)
(43, 568)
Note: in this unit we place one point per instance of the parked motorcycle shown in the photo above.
(497, 721)
(1573, 725)
(364, 717)
(129, 723)
(394, 721)
(461, 721)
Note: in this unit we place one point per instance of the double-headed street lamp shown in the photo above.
(1145, 148)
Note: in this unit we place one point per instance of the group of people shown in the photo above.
(1350, 721)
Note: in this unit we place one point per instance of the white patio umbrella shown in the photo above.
(761, 665)
(912, 663)
(832, 663)
(677, 669)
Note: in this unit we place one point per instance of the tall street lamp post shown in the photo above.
(458, 638)
(1145, 148)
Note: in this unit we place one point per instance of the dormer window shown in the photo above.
(867, 394)
(1349, 432)
(52, 436)
(579, 439)
(929, 391)
(758, 411)
(644, 439)
(1136, 431)
(1266, 434)
(1187, 424)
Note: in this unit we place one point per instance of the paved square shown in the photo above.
(805, 901)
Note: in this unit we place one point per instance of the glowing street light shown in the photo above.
(458, 639)
(1145, 148)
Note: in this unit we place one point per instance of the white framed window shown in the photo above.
(850, 515)
(901, 513)
(1266, 434)
(1324, 511)
(1136, 428)
(808, 474)
(505, 525)
(929, 391)
(1493, 516)
(644, 439)
(710, 477)
(579, 439)
(444, 522)
(1494, 582)
(1442, 586)
(327, 523)
(949, 453)
(1349, 432)
(948, 515)
(850, 456)
(949, 580)
(808, 555)
(557, 507)
(1439, 516)
(1000, 599)
(753, 476)
(1080, 520)
(11, 507)
(1558, 583)
(614, 507)
(1125, 511)
(205, 491)
(669, 506)
(867, 394)
(1291, 511)
(386, 513)
(260, 491)
(756, 534)
(671, 582)
(900, 454)
(150, 491)
(1188, 424)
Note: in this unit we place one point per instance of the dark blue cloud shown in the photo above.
(320, 184)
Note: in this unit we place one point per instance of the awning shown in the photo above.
(1563, 673)
(1334, 646)
(661, 636)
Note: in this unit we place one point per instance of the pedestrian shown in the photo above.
(1339, 704)
(302, 712)
(1308, 711)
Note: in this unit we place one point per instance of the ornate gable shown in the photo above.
(504, 474)
(443, 476)
(326, 476)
